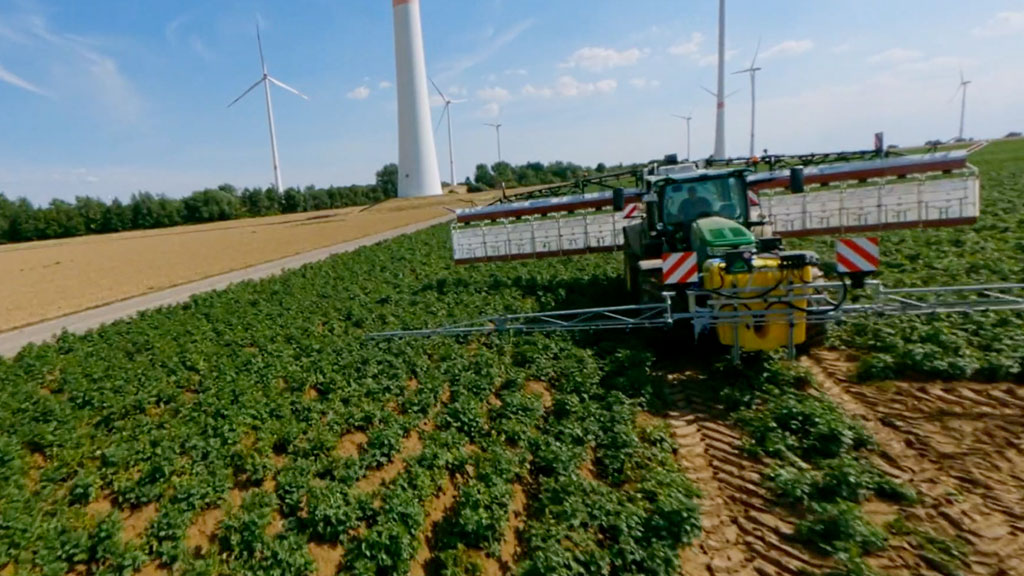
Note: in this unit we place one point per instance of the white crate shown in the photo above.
(541, 237)
(892, 204)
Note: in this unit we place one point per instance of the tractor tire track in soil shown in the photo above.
(960, 445)
(741, 533)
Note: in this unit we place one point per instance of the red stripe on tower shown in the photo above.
(857, 255)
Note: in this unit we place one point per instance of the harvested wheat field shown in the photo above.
(43, 280)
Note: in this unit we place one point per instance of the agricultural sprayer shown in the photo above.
(705, 245)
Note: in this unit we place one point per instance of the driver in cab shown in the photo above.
(693, 206)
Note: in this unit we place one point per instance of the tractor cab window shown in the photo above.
(688, 201)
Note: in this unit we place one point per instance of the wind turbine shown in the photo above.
(687, 118)
(497, 129)
(963, 102)
(752, 70)
(266, 80)
(720, 93)
(447, 111)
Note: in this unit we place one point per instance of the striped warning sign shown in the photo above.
(679, 268)
(631, 211)
(856, 255)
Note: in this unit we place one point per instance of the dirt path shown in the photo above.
(960, 445)
(741, 533)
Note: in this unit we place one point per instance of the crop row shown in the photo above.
(237, 407)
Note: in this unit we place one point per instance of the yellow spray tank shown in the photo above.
(751, 287)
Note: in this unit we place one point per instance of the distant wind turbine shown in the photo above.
(266, 80)
(447, 112)
(752, 70)
(497, 130)
(687, 118)
(963, 102)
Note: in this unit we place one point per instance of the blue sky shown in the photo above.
(109, 97)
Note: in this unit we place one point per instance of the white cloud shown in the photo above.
(712, 59)
(102, 79)
(788, 48)
(493, 94)
(595, 59)
(689, 48)
(569, 87)
(542, 92)
(15, 80)
(895, 56)
(516, 72)
(642, 83)
(1002, 24)
(490, 110)
(384, 85)
(483, 53)
(360, 93)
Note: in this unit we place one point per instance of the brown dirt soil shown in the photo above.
(136, 521)
(203, 530)
(350, 443)
(326, 557)
(52, 278)
(436, 509)
(516, 520)
(99, 507)
(411, 445)
(153, 569)
(742, 534)
(960, 445)
(538, 388)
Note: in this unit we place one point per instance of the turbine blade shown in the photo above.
(460, 101)
(956, 92)
(251, 88)
(729, 95)
(259, 42)
(961, 75)
(287, 87)
(441, 94)
(756, 52)
(440, 118)
(709, 91)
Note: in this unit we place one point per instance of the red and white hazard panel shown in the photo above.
(856, 255)
(631, 211)
(679, 268)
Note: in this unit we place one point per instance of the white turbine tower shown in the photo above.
(266, 80)
(417, 159)
(448, 112)
(752, 70)
(497, 130)
(687, 118)
(963, 102)
(720, 94)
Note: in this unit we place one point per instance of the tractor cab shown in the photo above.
(706, 212)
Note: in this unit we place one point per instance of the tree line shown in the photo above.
(21, 221)
(528, 174)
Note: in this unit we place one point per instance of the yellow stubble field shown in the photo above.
(49, 279)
